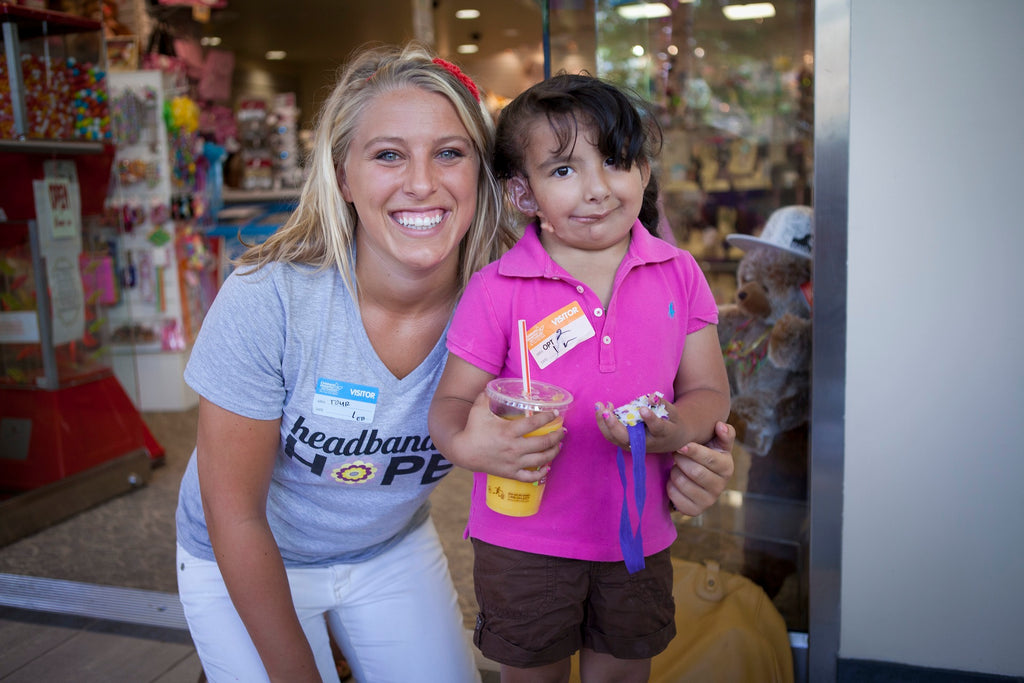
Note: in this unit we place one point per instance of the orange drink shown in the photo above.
(507, 400)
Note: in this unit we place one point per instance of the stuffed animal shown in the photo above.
(766, 333)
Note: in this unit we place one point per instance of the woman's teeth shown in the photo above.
(419, 221)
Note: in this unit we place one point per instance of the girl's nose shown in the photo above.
(597, 186)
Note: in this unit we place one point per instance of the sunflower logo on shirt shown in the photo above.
(356, 472)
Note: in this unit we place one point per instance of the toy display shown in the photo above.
(284, 141)
(255, 147)
(766, 332)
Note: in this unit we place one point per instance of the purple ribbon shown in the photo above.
(632, 543)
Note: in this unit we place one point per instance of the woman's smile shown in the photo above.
(419, 220)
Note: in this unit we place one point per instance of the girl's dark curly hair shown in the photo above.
(626, 129)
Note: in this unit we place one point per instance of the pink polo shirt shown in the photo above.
(659, 296)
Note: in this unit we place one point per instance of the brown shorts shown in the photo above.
(537, 609)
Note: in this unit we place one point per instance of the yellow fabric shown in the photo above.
(728, 631)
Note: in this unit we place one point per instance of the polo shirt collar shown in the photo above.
(529, 259)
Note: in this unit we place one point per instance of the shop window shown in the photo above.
(735, 99)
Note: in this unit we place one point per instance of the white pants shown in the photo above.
(396, 617)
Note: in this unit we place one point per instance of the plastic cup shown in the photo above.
(508, 401)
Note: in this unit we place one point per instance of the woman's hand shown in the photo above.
(701, 472)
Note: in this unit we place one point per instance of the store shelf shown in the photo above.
(60, 147)
(33, 23)
(230, 196)
(750, 515)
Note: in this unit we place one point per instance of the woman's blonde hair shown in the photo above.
(321, 229)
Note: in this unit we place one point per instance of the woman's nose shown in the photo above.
(420, 179)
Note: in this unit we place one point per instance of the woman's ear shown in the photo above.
(521, 195)
(346, 193)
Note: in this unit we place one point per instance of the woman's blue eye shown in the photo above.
(452, 153)
(387, 155)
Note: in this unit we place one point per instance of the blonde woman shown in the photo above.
(307, 493)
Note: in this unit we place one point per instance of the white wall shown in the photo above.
(933, 517)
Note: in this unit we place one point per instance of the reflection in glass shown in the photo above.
(735, 98)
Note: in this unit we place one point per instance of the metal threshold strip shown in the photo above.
(155, 608)
(131, 605)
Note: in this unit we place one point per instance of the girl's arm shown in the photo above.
(469, 435)
(702, 399)
(235, 460)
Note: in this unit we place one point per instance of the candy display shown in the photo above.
(64, 99)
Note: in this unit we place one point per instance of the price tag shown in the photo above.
(558, 333)
(345, 401)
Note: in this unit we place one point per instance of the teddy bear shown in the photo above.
(766, 333)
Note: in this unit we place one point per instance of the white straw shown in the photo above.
(524, 358)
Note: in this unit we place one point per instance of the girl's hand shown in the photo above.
(701, 472)
(664, 434)
(497, 446)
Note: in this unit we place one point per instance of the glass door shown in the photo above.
(733, 86)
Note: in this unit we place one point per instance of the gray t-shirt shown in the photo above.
(355, 464)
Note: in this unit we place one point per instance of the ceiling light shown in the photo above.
(210, 41)
(643, 10)
(275, 55)
(467, 49)
(754, 10)
(467, 13)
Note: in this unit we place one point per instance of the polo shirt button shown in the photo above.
(579, 288)
(598, 312)
(606, 339)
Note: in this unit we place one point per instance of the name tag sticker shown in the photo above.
(558, 333)
(345, 401)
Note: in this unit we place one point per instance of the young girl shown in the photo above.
(637, 317)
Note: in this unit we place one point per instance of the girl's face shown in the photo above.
(411, 172)
(582, 200)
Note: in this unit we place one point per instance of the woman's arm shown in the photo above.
(235, 457)
(701, 472)
(470, 436)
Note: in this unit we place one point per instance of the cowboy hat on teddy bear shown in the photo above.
(766, 333)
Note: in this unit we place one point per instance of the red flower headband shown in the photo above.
(463, 78)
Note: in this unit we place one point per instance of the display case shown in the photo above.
(150, 314)
(62, 411)
(52, 76)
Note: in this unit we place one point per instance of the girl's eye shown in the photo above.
(562, 171)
